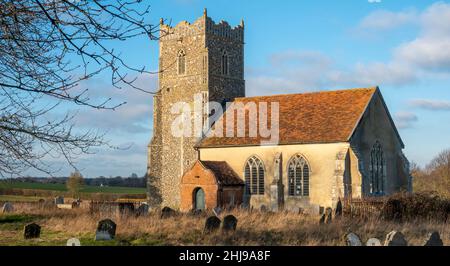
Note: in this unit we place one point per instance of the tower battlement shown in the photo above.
(203, 25)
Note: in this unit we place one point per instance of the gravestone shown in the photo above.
(75, 204)
(434, 239)
(41, 201)
(167, 212)
(263, 208)
(7, 207)
(32, 230)
(59, 200)
(353, 240)
(196, 212)
(217, 211)
(73, 242)
(328, 215)
(372, 242)
(338, 211)
(322, 219)
(395, 238)
(106, 230)
(126, 208)
(212, 224)
(142, 210)
(229, 223)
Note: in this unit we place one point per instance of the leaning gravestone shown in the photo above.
(353, 240)
(229, 223)
(73, 242)
(395, 238)
(328, 215)
(338, 211)
(373, 242)
(212, 224)
(167, 212)
(434, 239)
(322, 219)
(59, 200)
(7, 207)
(217, 211)
(142, 210)
(106, 230)
(32, 230)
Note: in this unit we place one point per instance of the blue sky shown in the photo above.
(297, 46)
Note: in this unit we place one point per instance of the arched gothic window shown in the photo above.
(298, 176)
(225, 70)
(254, 176)
(377, 170)
(181, 58)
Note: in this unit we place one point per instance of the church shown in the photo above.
(329, 145)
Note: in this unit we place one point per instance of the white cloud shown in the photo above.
(405, 119)
(374, 1)
(431, 49)
(435, 105)
(387, 20)
(426, 56)
(134, 117)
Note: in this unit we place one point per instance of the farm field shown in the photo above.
(62, 187)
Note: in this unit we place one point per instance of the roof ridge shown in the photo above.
(311, 92)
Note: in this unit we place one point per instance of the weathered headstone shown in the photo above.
(372, 242)
(353, 240)
(7, 207)
(229, 223)
(142, 210)
(434, 239)
(217, 211)
(395, 238)
(106, 230)
(322, 219)
(212, 224)
(73, 242)
(32, 230)
(75, 204)
(263, 208)
(196, 212)
(167, 212)
(59, 200)
(328, 215)
(338, 211)
(126, 208)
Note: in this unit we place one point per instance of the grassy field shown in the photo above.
(62, 187)
(254, 228)
(16, 198)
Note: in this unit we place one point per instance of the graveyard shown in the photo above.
(135, 224)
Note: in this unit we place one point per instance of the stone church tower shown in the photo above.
(203, 58)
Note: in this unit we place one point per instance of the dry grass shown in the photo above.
(254, 228)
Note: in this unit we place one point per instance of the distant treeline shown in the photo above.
(117, 181)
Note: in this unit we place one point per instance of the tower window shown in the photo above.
(225, 70)
(181, 58)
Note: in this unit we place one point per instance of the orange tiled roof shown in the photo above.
(223, 172)
(317, 117)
